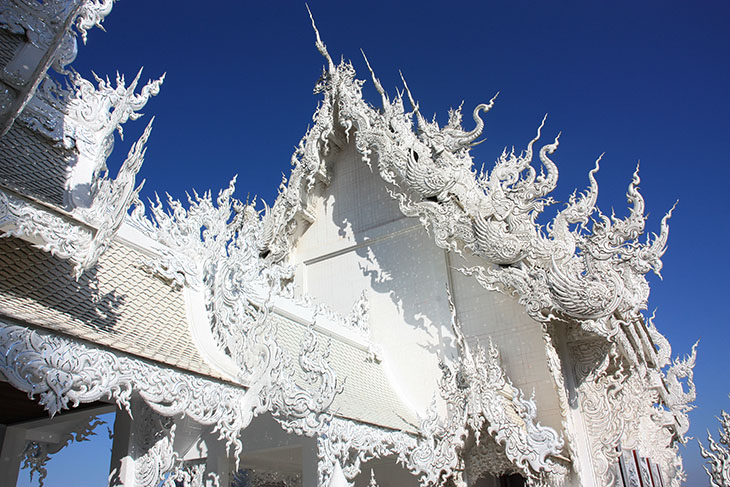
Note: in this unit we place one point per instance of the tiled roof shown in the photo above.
(33, 165)
(115, 304)
(9, 43)
(118, 305)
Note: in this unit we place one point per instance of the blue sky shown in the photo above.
(645, 81)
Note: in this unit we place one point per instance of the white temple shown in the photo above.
(394, 318)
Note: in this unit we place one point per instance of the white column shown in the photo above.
(217, 461)
(11, 453)
(310, 461)
(121, 465)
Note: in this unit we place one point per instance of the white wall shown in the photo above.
(361, 241)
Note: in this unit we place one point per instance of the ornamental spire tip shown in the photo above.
(320, 45)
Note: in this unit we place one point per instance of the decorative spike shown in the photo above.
(320, 45)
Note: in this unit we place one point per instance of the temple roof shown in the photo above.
(116, 304)
(33, 166)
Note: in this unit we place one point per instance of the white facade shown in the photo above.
(384, 322)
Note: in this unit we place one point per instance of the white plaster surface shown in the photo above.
(361, 241)
(490, 314)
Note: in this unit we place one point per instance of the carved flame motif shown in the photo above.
(718, 454)
(575, 269)
(583, 268)
(479, 390)
(216, 248)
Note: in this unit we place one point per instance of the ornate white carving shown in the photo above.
(479, 398)
(625, 409)
(84, 117)
(112, 199)
(42, 22)
(217, 248)
(575, 270)
(257, 477)
(152, 446)
(187, 475)
(478, 390)
(156, 463)
(48, 231)
(356, 322)
(67, 238)
(65, 373)
(92, 14)
(584, 267)
(37, 453)
(350, 444)
(718, 454)
(486, 458)
(592, 274)
(62, 372)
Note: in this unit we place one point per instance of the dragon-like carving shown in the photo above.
(582, 268)
(577, 268)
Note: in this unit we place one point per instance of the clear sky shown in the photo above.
(645, 81)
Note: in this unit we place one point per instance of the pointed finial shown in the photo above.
(320, 45)
(376, 81)
(408, 91)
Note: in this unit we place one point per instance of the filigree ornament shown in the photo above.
(578, 268)
(37, 454)
(717, 454)
(91, 15)
(84, 118)
(43, 22)
(583, 267)
(81, 118)
(81, 241)
(220, 249)
(112, 199)
(256, 477)
(152, 446)
(624, 409)
(350, 444)
(156, 463)
(478, 390)
(48, 231)
(65, 373)
(479, 397)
